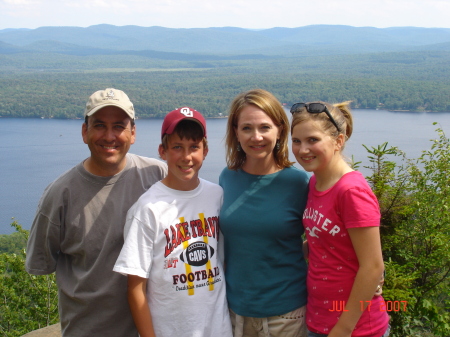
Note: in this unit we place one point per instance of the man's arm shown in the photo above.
(137, 289)
(43, 246)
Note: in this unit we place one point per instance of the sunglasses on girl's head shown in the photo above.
(314, 108)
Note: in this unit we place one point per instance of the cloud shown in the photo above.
(98, 4)
(21, 2)
(220, 13)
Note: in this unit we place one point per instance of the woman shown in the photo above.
(342, 228)
(261, 219)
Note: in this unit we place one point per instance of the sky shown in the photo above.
(253, 14)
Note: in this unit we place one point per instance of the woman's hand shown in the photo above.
(379, 290)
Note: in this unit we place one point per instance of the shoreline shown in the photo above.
(225, 117)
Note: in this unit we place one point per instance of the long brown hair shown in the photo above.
(268, 103)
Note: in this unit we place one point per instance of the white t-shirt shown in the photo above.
(172, 238)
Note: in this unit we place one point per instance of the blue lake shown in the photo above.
(34, 152)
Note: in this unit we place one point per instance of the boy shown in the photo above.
(176, 282)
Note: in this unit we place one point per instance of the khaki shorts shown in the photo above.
(312, 334)
(291, 324)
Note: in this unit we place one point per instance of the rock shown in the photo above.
(49, 331)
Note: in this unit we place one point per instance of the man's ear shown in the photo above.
(133, 134)
(84, 132)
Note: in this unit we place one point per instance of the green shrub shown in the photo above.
(28, 302)
(414, 199)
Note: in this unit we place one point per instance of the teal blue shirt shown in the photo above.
(261, 221)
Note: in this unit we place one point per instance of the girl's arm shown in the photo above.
(367, 245)
(137, 289)
(305, 249)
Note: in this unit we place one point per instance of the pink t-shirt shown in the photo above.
(333, 263)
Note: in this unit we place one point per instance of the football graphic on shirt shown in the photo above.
(197, 254)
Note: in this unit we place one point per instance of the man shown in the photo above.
(78, 227)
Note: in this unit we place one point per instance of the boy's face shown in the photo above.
(184, 159)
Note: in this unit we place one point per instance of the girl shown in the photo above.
(341, 221)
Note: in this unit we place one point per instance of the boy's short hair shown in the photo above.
(187, 123)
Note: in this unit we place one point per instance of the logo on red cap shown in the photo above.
(174, 117)
(187, 112)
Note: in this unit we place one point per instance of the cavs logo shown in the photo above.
(197, 254)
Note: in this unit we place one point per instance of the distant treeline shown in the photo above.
(57, 86)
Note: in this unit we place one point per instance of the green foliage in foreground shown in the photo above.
(13, 243)
(414, 198)
(415, 229)
(28, 302)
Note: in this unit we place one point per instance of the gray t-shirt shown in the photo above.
(78, 232)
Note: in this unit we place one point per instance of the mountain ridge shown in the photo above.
(334, 39)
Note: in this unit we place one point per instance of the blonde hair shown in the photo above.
(340, 112)
(268, 103)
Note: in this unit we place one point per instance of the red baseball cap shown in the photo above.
(174, 117)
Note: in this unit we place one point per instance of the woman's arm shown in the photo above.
(137, 289)
(367, 245)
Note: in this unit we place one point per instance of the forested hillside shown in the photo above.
(50, 71)
(53, 85)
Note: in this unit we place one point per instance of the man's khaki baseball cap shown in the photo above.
(109, 97)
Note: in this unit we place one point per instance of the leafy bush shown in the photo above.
(13, 243)
(28, 302)
(415, 228)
